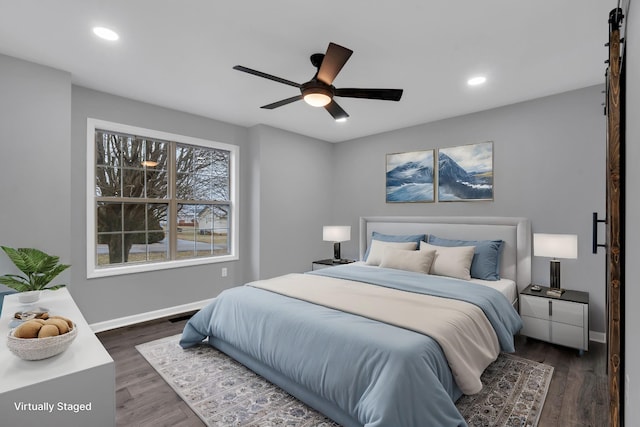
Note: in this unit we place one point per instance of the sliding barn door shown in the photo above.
(615, 219)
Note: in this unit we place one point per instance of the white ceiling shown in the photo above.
(180, 54)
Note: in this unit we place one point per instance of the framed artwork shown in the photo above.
(410, 177)
(465, 172)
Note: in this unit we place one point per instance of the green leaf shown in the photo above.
(39, 267)
(18, 283)
(16, 257)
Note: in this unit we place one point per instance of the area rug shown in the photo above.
(223, 393)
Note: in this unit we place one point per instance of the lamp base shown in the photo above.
(554, 274)
(336, 252)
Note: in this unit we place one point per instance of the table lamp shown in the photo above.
(555, 246)
(336, 234)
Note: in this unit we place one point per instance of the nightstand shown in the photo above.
(324, 263)
(562, 320)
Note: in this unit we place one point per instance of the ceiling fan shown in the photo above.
(319, 91)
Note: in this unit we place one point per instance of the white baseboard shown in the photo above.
(598, 337)
(150, 315)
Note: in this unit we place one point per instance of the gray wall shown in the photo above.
(293, 194)
(632, 250)
(549, 166)
(35, 113)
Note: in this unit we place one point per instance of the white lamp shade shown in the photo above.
(317, 99)
(555, 245)
(336, 233)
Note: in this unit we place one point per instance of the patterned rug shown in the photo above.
(224, 393)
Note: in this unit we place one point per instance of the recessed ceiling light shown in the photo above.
(475, 81)
(341, 120)
(105, 33)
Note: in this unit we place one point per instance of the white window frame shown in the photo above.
(92, 270)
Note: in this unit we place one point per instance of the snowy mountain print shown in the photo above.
(466, 172)
(410, 177)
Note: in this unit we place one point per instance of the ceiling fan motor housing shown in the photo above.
(316, 59)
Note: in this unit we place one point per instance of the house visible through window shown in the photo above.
(159, 200)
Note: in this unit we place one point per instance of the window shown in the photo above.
(157, 200)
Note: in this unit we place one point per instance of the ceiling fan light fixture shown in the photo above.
(317, 98)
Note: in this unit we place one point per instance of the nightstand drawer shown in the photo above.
(534, 307)
(536, 328)
(571, 313)
(569, 335)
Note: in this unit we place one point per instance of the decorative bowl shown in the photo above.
(40, 348)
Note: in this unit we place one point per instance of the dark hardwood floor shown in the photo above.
(577, 394)
(579, 390)
(143, 398)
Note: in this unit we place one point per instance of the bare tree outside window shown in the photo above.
(159, 200)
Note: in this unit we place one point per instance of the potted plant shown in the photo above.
(39, 270)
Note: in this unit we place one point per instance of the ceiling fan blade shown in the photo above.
(333, 61)
(266, 76)
(283, 102)
(383, 94)
(335, 110)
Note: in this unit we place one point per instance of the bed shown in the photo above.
(375, 345)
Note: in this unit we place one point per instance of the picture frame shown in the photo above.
(410, 177)
(465, 173)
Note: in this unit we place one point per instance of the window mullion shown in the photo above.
(172, 222)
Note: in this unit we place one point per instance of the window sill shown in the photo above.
(94, 272)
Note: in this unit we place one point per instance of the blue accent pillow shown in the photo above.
(396, 238)
(486, 257)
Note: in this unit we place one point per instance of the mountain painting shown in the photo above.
(410, 177)
(465, 172)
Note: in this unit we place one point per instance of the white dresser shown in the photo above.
(73, 388)
(560, 320)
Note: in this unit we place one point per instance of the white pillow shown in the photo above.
(454, 261)
(401, 259)
(377, 249)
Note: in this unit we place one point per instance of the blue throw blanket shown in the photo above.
(379, 375)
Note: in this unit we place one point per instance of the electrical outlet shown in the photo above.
(224, 271)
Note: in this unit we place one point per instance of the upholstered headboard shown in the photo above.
(515, 232)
